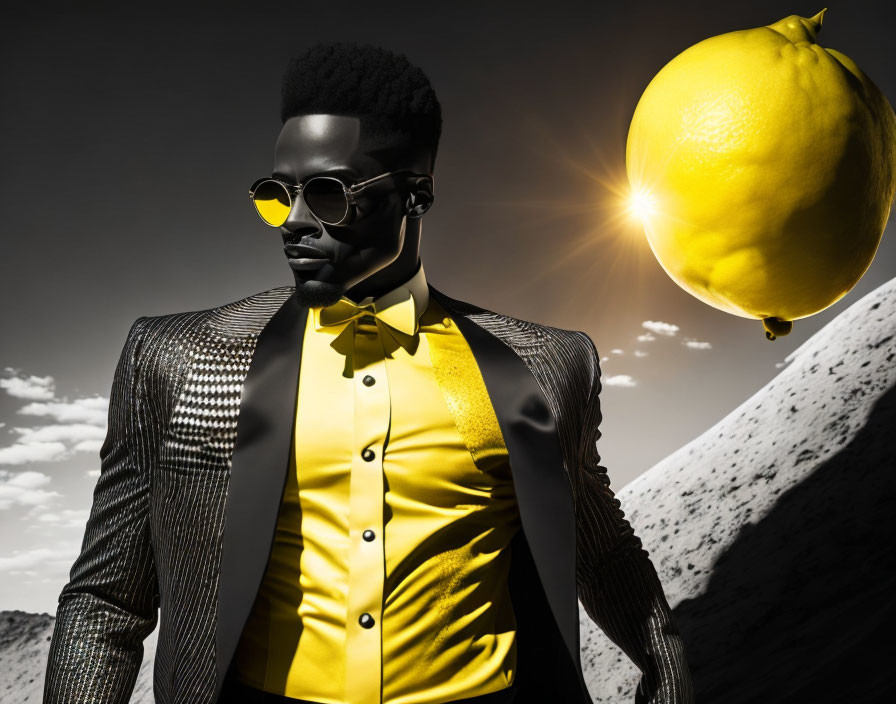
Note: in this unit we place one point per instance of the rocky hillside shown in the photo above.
(772, 532)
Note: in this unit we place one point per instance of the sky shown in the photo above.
(130, 138)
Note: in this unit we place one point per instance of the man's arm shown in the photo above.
(110, 604)
(618, 585)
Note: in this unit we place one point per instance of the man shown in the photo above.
(355, 489)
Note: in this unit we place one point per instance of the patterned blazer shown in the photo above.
(192, 472)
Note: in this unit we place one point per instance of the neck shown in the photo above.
(395, 273)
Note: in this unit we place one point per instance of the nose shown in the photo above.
(301, 221)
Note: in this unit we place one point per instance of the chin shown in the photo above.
(316, 294)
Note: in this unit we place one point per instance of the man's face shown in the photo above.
(319, 144)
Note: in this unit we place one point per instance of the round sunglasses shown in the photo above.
(328, 198)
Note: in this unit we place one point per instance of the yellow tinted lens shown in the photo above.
(272, 202)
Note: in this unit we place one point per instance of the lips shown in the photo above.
(304, 251)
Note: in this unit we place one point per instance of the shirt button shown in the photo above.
(368, 535)
(368, 455)
(369, 380)
(366, 620)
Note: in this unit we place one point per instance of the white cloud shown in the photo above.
(698, 345)
(33, 388)
(72, 432)
(22, 453)
(28, 480)
(93, 473)
(616, 351)
(93, 410)
(659, 327)
(618, 380)
(23, 489)
(640, 353)
(23, 561)
(64, 518)
(88, 445)
(52, 443)
(604, 359)
(646, 337)
(75, 426)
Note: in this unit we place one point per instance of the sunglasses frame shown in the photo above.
(293, 191)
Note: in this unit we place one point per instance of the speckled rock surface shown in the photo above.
(773, 531)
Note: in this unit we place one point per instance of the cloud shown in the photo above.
(93, 410)
(618, 380)
(646, 337)
(22, 453)
(77, 425)
(54, 559)
(73, 432)
(64, 518)
(33, 388)
(23, 488)
(659, 327)
(88, 445)
(616, 351)
(697, 345)
(52, 443)
(640, 353)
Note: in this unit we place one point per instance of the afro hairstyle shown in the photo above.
(393, 97)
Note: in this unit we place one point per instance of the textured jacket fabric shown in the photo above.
(152, 549)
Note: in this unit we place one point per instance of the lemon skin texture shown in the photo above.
(769, 162)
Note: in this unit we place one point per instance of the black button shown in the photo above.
(366, 620)
(369, 380)
(368, 535)
(368, 455)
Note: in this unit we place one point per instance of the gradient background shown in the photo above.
(130, 139)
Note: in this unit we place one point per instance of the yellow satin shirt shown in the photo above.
(387, 581)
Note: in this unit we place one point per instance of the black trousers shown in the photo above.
(235, 692)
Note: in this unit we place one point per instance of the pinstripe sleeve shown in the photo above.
(110, 603)
(618, 585)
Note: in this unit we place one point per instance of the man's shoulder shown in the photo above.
(239, 318)
(524, 335)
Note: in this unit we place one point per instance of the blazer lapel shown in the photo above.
(258, 473)
(543, 489)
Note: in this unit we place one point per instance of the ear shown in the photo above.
(420, 196)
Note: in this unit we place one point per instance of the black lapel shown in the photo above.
(258, 475)
(543, 490)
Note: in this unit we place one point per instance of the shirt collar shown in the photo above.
(393, 305)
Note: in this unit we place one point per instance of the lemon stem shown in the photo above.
(816, 21)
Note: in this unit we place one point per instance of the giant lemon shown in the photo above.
(763, 165)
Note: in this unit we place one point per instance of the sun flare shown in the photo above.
(641, 204)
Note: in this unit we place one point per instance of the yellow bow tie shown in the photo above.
(401, 316)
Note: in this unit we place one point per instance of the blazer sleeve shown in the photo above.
(110, 604)
(617, 583)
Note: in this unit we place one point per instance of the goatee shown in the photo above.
(317, 294)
